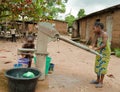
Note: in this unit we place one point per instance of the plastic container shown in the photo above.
(51, 68)
(18, 83)
(48, 60)
(17, 65)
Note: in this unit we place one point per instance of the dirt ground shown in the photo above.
(74, 68)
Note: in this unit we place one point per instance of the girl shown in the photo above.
(30, 45)
(102, 45)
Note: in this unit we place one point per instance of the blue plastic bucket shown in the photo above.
(51, 68)
(17, 65)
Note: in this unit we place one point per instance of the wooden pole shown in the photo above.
(79, 45)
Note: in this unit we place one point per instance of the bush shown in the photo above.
(117, 52)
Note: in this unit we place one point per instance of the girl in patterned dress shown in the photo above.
(102, 46)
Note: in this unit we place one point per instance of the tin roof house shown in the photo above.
(110, 17)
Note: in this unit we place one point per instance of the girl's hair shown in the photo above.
(99, 24)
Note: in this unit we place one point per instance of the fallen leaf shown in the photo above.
(111, 76)
(7, 62)
(3, 57)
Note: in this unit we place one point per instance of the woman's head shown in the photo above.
(98, 26)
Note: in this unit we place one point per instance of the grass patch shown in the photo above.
(117, 52)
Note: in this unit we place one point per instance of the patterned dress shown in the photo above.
(101, 63)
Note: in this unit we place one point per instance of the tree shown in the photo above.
(34, 9)
(49, 9)
(4, 9)
(70, 19)
(81, 13)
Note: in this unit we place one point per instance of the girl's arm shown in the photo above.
(94, 44)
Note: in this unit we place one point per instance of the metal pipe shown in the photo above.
(79, 45)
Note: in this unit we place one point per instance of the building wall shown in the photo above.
(83, 29)
(92, 20)
(61, 26)
(86, 27)
(116, 30)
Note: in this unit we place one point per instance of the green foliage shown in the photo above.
(4, 10)
(81, 13)
(33, 9)
(70, 19)
(117, 52)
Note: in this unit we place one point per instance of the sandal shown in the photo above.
(94, 82)
(99, 85)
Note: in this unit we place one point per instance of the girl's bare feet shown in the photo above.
(99, 85)
(94, 82)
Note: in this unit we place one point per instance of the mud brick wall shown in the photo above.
(116, 30)
(89, 22)
(61, 26)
